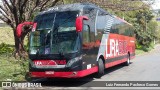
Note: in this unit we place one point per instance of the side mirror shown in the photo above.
(21, 25)
(34, 27)
(19, 30)
(79, 23)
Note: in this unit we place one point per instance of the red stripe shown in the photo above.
(66, 74)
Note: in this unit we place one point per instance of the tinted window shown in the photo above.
(45, 21)
(122, 28)
(86, 34)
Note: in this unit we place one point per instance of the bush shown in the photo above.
(144, 47)
(5, 48)
(138, 46)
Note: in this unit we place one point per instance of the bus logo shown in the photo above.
(115, 48)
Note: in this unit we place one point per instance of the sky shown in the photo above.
(156, 4)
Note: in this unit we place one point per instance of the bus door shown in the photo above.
(87, 48)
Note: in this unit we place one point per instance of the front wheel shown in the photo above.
(100, 72)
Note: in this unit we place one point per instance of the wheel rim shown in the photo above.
(128, 61)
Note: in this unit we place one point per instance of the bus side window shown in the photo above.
(86, 35)
(98, 38)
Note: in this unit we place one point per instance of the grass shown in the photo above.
(6, 35)
(139, 52)
(12, 69)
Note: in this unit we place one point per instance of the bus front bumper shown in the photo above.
(69, 74)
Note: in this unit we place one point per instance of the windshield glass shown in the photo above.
(40, 42)
(55, 33)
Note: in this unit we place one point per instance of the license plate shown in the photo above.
(49, 72)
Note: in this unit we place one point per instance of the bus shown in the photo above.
(76, 40)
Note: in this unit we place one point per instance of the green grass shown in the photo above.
(6, 35)
(143, 51)
(139, 52)
(12, 69)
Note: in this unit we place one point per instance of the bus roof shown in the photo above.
(72, 7)
(78, 6)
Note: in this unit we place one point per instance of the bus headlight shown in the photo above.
(73, 61)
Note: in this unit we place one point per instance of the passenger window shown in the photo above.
(86, 34)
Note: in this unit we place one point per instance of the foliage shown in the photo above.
(118, 5)
(5, 48)
(142, 48)
(145, 27)
(68, 1)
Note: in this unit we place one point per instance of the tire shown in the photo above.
(100, 72)
(128, 61)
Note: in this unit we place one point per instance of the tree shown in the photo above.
(119, 5)
(146, 31)
(14, 12)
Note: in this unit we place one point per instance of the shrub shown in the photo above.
(5, 48)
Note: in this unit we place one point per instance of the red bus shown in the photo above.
(76, 40)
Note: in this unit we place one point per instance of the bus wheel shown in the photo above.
(100, 72)
(128, 61)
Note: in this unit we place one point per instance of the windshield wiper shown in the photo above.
(46, 37)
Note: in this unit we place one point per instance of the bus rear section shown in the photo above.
(77, 40)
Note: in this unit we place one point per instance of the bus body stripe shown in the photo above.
(79, 74)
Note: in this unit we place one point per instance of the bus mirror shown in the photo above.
(19, 30)
(79, 23)
(34, 27)
(20, 26)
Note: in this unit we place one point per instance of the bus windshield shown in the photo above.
(55, 33)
